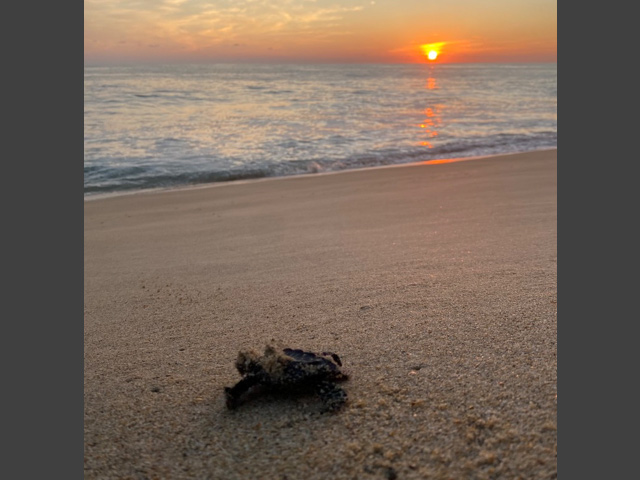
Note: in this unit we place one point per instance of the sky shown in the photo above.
(319, 31)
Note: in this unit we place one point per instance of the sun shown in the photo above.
(432, 50)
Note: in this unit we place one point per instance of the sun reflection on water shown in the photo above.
(432, 121)
(433, 118)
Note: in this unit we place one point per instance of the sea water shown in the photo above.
(165, 126)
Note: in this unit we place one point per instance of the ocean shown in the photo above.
(165, 126)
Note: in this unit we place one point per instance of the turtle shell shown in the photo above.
(314, 358)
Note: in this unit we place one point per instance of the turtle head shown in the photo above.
(248, 362)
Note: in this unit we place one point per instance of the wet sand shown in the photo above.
(436, 285)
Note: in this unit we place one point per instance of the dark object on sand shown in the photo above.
(290, 370)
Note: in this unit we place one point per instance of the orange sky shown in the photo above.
(369, 31)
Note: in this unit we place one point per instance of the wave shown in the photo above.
(104, 179)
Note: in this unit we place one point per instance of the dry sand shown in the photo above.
(436, 284)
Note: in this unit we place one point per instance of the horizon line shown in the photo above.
(304, 62)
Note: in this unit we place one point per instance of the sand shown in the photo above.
(436, 285)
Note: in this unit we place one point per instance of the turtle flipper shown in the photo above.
(332, 395)
(233, 394)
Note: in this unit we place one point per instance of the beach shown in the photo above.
(435, 283)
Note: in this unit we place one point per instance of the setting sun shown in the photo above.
(432, 50)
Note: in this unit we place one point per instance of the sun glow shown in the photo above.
(432, 50)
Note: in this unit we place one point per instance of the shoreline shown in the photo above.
(437, 161)
(437, 287)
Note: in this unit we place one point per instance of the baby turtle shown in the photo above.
(293, 370)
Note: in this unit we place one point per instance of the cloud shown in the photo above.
(202, 24)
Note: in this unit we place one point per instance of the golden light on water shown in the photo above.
(430, 124)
